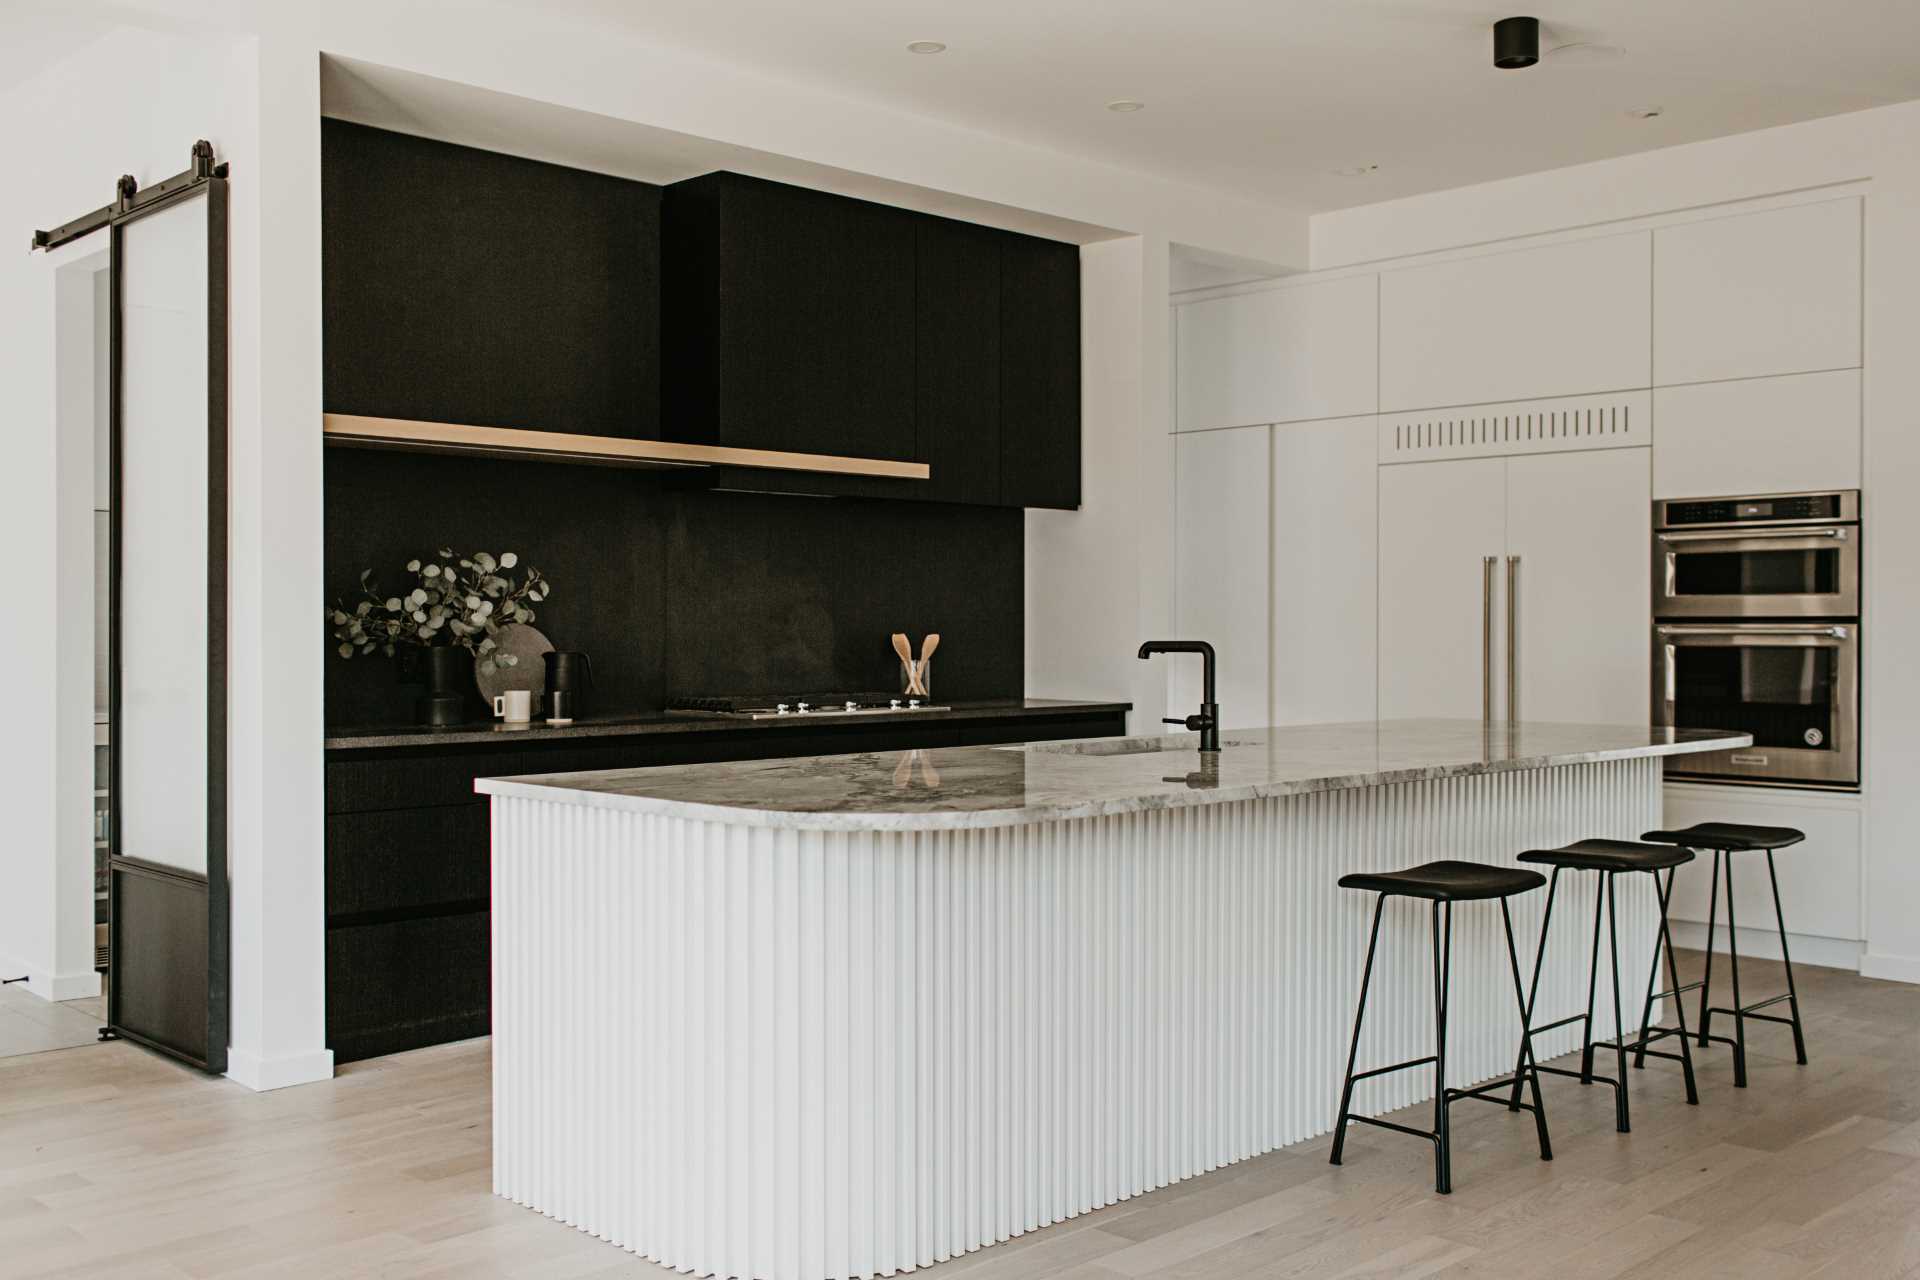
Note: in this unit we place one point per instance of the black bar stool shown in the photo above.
(1726, 839)
(1610, 858)
(1442, 883)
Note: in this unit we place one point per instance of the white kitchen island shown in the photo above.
(852, 1015)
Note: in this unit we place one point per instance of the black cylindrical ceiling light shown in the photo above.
(1516, 43)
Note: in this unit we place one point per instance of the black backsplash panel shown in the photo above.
(596, 533)
(689, 590)
(772, 593)
(464, 286)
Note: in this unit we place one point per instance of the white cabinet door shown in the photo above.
(1579, 524)
(1561, 320)
(1758, 294)
(1325, 528)
(1438, 521)
(1220, 571)
(1819, 879)
(1758, 435)
(1285, 354)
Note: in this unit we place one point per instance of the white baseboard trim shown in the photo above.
(1891, 968)
(1830, 953)
(53, 986)
(261, 1074)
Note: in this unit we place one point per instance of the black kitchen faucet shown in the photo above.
(1207, 723)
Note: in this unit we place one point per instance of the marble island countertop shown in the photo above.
(957, 787)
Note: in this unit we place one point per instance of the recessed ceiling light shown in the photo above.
(1646, 113)
(1357, 170)
(1585, 52)
(1126, 104)
(926, 46)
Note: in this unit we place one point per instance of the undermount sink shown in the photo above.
(1182, 743)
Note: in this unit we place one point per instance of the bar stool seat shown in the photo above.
(1610, 855)
(1447, 881)
(1725, 839)
(1443, 884)
(1735, 837)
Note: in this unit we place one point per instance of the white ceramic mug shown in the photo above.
(515, 706)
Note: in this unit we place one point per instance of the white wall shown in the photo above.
(1881, 147)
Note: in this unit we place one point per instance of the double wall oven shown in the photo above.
(1756, 627)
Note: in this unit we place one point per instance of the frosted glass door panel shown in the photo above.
(163, 539)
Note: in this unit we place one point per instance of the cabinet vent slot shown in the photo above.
(1619, 421)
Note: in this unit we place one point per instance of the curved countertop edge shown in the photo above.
(554, 788)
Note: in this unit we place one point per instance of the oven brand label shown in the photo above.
(1814, 737)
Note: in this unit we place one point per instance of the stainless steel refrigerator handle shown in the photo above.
(1672, 692)
(1513, 640)
(1737, 535)
(1486, 639)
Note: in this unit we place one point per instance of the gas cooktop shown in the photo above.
(813, 706)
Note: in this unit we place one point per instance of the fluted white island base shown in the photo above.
(795, 1053)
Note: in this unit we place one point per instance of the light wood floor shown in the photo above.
(116, 1163)
(29, 1024)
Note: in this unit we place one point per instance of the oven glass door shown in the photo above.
(1793, 687)
(1757, 573)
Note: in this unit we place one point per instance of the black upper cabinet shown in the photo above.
(957, 381)
(1039, 373)
(465, 286)
(790, 319)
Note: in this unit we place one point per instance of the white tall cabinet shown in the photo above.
(1221, 589)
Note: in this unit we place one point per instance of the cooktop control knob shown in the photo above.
(852, 706)
(913, 704)
(782, 708)
(805, 707)
(893, 704)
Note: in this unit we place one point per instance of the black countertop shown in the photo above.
(369, 737)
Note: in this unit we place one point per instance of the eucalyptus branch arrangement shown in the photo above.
(454, 601)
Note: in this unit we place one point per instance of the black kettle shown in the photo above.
(569, 674)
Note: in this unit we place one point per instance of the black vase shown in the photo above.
(449, 695)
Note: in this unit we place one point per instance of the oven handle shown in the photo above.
(1729, 535)
(1754, 628)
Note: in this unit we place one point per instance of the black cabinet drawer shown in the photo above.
(407, 860)
(407, 983)
(363, 781)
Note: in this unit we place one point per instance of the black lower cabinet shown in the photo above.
(409, 858)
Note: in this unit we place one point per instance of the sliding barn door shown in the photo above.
(168, 645)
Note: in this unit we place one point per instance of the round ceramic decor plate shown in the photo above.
(530, 673)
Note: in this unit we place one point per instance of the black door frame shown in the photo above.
(182, 1026)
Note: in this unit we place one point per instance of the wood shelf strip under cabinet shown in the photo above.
(407, 435)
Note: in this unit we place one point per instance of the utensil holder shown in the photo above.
(916, 678)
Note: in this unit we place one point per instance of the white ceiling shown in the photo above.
(1269, 97)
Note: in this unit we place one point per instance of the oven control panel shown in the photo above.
(1767, 508)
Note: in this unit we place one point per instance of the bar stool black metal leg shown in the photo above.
(1739, 1007)
(1793, 997)
(1533, 993)
(1620, 1117)
(1706, 980)
(1442, 974)
(1526, 1040)
(1593, 979)
(1359, 1013)
(1653, 977)
(1664, 942)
